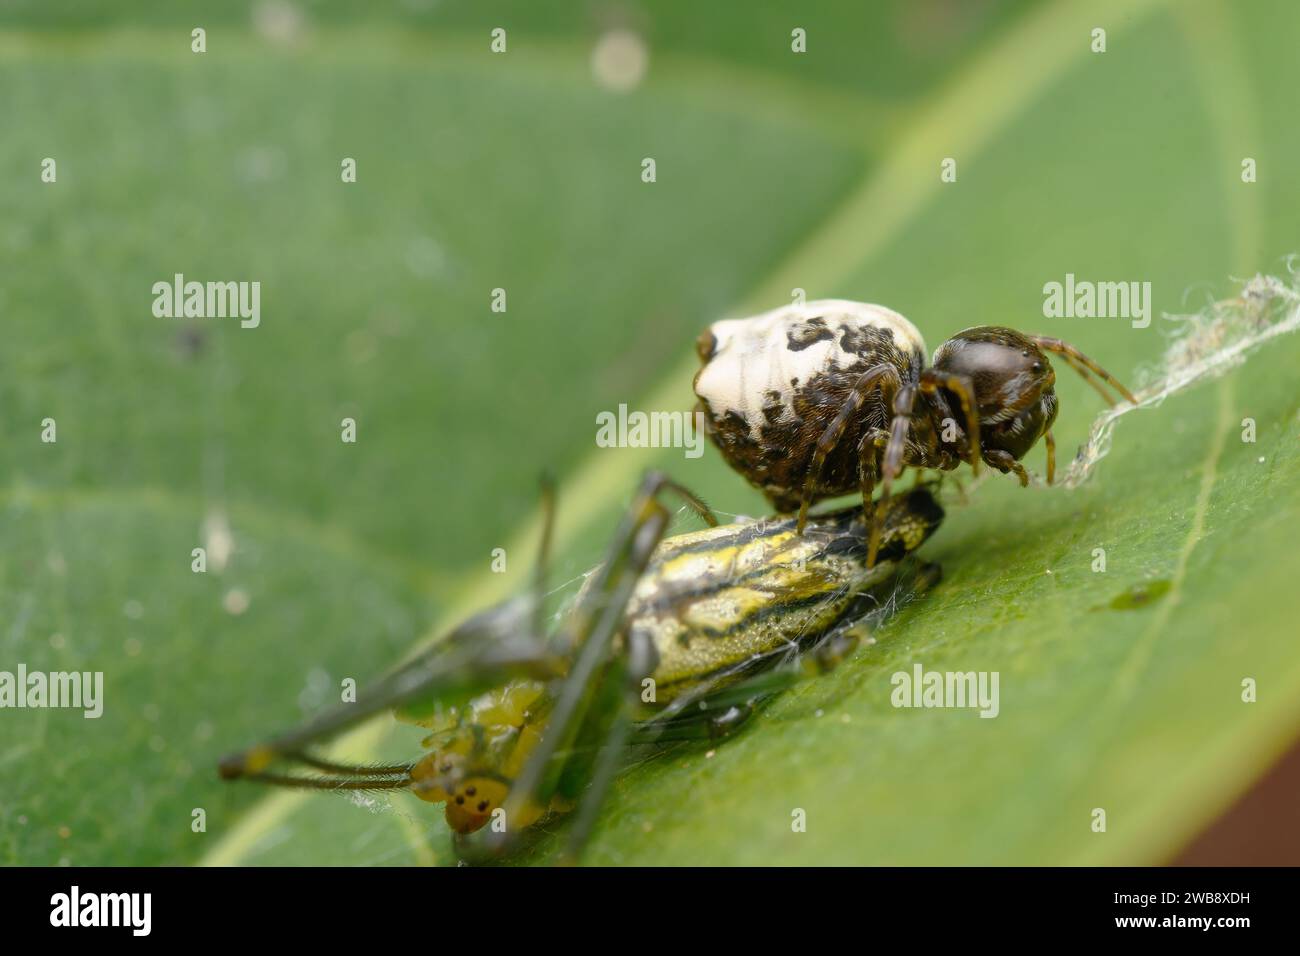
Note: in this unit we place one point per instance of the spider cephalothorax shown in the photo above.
(821, 398)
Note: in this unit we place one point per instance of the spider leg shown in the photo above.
(661, 482)
(964, 389)
(830, 437)
(1050, 441)
(895, 453)
(716, 720)
(1083, 365)
(1087, 377)
(1004, 462)
(868, 466)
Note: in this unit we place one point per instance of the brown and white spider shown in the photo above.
(816, 399)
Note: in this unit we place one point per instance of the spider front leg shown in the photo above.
(961, 386)
(884, 375)
(1084, 365)
(868, 465)
(895, 455)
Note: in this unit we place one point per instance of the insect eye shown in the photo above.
(1037, 366)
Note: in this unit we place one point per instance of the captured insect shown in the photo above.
(815, 400)
(667, 640)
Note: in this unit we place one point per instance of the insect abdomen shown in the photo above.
(714, 600)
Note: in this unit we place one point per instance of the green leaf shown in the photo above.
(478, 172)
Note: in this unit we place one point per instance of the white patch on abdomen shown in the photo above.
(752, 357)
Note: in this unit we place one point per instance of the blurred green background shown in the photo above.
(775, 170)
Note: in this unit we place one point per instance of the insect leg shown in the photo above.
(878, 604)
(1083, 365)
(495, 645)
(830, 437)
(591, 703)
(358, 770)
(716, 722)
(470, 660)
(693, 501)
(961, 386)
(542, 569)
(611, 729)
(711, 714)
(343, 776)
(895, 454)
(1050, 441)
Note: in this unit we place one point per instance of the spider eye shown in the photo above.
(706, 345)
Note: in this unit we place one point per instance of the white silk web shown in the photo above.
(1204, 345)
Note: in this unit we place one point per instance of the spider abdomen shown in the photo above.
(771, 384)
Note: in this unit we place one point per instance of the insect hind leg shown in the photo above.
(591, 718)
(503, 642)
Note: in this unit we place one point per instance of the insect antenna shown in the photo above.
(357, 770)
(297, 782)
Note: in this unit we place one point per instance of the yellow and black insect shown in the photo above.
(668, 639)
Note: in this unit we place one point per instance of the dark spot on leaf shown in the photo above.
(1140, 595)
(190, 343)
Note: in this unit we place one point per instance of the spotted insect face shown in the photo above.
(1013, 381)
(476, 753)
(444, 776)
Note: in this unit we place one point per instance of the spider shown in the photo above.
(668, 640)
(818, 399)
